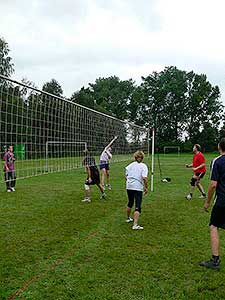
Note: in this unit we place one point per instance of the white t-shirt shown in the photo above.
(134, 174)
(106, 155)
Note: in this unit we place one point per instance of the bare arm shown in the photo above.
(211, 189)
(112, 141)
(88, 171)
(5, 165)
(199, 167)
(145, 179)
(189, 165)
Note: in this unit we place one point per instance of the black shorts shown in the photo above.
(104, 165)
(200, 175)
(137, 196)
(95, 176)
(217, 218)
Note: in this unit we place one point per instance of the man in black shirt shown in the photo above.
(93, 176)
(217, 219)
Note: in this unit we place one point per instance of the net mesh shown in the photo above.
(49, 134)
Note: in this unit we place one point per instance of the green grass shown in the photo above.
(101, 257)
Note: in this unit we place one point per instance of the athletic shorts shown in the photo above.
(95, 176)
(218, 217)
(137, 196)
(104, 165)
(200, 175)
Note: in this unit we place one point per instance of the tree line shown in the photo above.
(183, 107)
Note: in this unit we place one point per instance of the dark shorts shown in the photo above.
(217, 218)
(137, 196)
(104, 165)
(200, 175)
(95, 176)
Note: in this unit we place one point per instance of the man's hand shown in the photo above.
(187, 165)
(206, 205)
(145, 191)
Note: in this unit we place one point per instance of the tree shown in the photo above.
(208, 137)
(83, 97)
(176, 102)
(113, 95)
(203, 105)
(6, 65)
(164, 102)
(53, 87)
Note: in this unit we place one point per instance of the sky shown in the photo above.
(78, 41)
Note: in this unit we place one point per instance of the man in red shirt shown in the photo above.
(199, 169)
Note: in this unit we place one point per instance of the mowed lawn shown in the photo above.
(53, 246)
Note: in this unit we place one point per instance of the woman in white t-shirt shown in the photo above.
(136, 183)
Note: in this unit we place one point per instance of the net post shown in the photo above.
(148, 137)
(153, 153)
(46, 156)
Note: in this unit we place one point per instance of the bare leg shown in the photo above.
(192, 189)
(215, 242)
(193, 186)
(128, 212)
(107, 174)
(100, 187)
(103, 172)
(200, 187)
(136, 217)
(88, 193)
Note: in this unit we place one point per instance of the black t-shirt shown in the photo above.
(218, 174)
(89, 161)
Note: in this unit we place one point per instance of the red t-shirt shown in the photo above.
(198, 159)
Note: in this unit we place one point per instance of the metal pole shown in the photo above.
(46, 157)
(153, 152)
(148, 143)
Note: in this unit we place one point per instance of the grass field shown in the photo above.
(53, 246)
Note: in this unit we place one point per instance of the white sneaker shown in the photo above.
(137, 227)
(86, 200)
(103, 196)
(188, 197)
(128, 220)
(13, 189)
(202, 197)
(9, 191)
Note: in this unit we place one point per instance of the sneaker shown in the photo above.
(13, 189)
(103, 196)
(128, 220)
(137, 227)
(86, 200)
(210, 264)
(109, 187)
(9, 191)
(188, 197)
(202, 197)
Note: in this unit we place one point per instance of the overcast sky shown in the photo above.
(77, 41)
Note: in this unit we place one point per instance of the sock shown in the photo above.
(215, 258)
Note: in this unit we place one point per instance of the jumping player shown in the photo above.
(199, 169)
(106, 155)
(93, 176)
(136, 182)
(9, 170)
